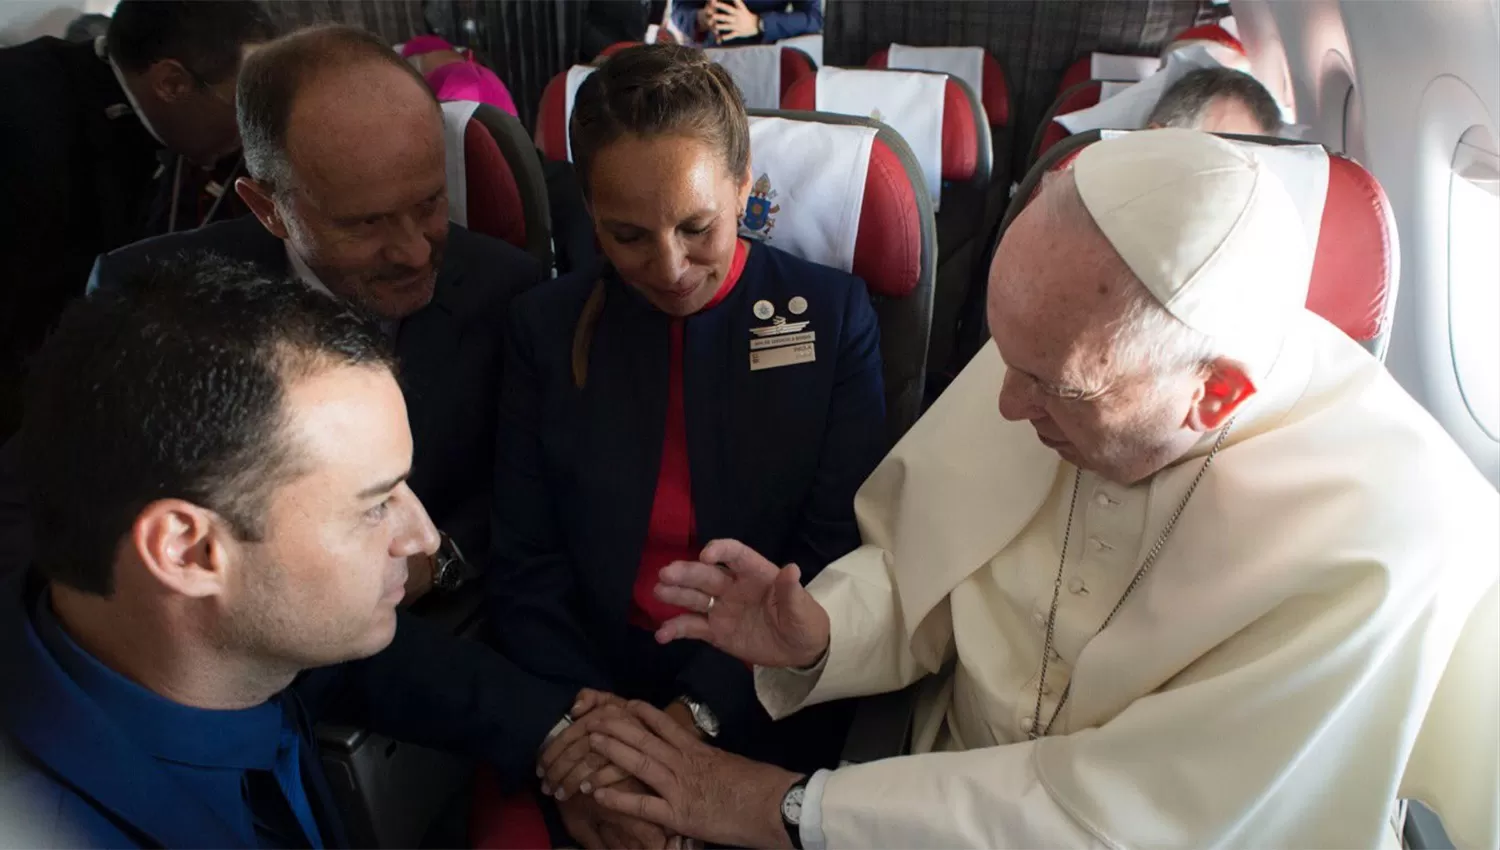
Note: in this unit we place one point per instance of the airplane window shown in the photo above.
(1474, 275)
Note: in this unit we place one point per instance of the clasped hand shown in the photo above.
(569, 770)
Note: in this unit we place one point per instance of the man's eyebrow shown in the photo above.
(384, 486)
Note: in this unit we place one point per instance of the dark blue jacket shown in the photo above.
(78, 777)
(776, 456)
(805, 18)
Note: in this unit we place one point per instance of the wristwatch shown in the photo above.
(703, 717)
(791, 811)
(450, 569)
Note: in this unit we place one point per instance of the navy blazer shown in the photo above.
(450, 354)
(776, 456)
(78, 776)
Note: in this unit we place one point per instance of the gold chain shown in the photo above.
(1037, 730)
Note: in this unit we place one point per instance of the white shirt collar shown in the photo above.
(303, 273)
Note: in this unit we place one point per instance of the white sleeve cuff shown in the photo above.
(811, 829)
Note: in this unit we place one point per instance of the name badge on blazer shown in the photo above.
(781, 343)
(787, 355)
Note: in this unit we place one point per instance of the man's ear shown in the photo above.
(262, 203)
(182, 546)
(170, 81)
(1227, 386)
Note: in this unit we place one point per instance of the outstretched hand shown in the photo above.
(745, 606)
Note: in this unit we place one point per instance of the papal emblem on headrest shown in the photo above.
(760, 213)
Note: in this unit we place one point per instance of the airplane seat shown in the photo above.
(956, 169)
(990, 82)
(1049, 132)
(764, 73)
(1221, 44)
(495, 181)
(807, 166)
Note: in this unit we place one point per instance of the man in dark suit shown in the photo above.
(223, 521)
(343, 142)
(93, 136)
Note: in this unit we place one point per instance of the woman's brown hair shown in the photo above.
(656, 90)
(652, 90)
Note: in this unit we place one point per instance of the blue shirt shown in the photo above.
(207, 750)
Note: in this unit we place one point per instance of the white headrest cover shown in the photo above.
(756, 69)
(576, 75)
(808, 187)
(910, 103)
(965, 63)
(456, 115)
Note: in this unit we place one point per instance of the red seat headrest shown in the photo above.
(1357, 256)
(617, 47)
(1081, 96)
(1210, 32)
(888, 246)
(495, 205)
(552, 120)
(996, 94)
(960, 135)
(1081, 71)
(1356, 262)
(796, 66)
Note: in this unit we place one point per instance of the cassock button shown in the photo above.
(1026, 724)
(1039, 618)
(1100, 545)
(1076, 585)
(1103, 500)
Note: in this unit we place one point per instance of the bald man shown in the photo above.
(1198, 581)
(343, 143)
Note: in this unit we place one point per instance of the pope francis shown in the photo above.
(1207, 578)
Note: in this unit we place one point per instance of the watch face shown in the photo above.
(791, 805)
(705, 720)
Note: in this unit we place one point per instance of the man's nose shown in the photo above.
(1017, 400)
(408, 245)
(417, 534)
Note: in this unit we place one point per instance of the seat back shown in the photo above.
(1228, 50)
(990, 85)
(892, 245)
(616, 48)
(1081, 96)
(963, 178)
(1357, 259)
(495, 182)
(554, 111)
(764, 73)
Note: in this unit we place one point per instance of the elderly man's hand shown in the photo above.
(567, 765)
(700, 791)
(744, 605)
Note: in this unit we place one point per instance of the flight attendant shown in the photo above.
(698, 386)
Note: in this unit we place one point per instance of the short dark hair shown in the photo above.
(171, 386)
(275, 74)
(655, 90)
(1185, 102)
(206, 37)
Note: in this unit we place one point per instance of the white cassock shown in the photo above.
(1265, 685)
